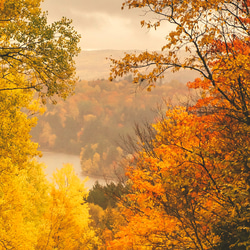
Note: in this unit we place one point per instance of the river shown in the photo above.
(55, 161)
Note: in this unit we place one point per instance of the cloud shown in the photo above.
(112, 7)
(103, 25)
(66, 7)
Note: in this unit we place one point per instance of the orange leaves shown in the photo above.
(234, 46)
(197, 170)
(204, 102)
(131, 63)
(145, 232)
(2, 4)
(198, 83)
(185, 180)
(170, 182)
(228, 85)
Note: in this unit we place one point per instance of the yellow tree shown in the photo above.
(34, 56)
(67, 222)
(23, 188)
(24, 199)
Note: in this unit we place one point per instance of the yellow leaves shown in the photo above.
(28, 204)
(66, 221)
(67, 181)
(24, 198)
(35, 106)
(22, 203)
(15, 127)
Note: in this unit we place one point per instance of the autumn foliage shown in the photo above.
(34, 213)
(190, 181)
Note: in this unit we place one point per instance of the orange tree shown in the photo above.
(187, 188)
(191, 186)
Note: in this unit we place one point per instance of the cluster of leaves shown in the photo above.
(34, 213)
(190, 179)
(43, 53)
(92, 121)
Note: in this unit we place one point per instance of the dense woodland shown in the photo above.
(186, 182)
(95, 120)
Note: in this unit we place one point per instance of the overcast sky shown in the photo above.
(103, 25)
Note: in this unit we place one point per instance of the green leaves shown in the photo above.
(43, 52)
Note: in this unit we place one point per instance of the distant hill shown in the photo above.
(93, 65)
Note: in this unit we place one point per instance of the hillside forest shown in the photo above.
(95, 121)
(184, 182)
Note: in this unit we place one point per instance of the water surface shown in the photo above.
(55, 161)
